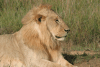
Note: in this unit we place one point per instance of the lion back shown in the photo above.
(9, 51)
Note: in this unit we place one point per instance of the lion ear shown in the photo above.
(39, 18)
(27, 18)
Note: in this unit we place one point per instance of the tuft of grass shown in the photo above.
(82, 17)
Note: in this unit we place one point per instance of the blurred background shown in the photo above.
(82, 17)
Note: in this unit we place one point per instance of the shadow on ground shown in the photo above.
(70, 58)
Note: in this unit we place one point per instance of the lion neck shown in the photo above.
(34, 40)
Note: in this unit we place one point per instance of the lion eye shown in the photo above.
(57, 20)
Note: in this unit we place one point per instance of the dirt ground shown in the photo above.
(92, 59)
(83, 58)
(91, 63)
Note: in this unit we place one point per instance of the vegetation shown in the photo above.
(82, 17)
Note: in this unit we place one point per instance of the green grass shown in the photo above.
(82, 17)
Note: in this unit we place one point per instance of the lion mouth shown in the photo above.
(61, 38)
(58, 37)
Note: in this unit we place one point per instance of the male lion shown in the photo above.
(37, 43)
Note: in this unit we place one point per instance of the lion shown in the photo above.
(37, 43)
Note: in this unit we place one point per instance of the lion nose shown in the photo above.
(67, 30)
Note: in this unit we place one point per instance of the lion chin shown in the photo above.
(34, 44)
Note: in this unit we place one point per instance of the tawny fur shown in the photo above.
(36, 43)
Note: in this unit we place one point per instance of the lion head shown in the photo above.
(43, 15)
(42, 23)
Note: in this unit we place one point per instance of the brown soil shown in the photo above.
(91, 63)
(88, 52)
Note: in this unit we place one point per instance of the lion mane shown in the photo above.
(35, 44)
